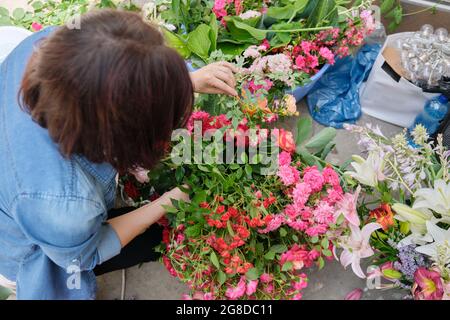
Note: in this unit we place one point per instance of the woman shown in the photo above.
(88, 104)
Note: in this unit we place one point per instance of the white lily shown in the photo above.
(436, 199)
(369, 171)
(417, 220)
(439, 250)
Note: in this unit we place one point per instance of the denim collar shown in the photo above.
(103, 172)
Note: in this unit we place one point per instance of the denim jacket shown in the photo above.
(52, 209)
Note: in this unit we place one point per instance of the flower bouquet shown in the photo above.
(406, 186)
(281, 44)
(259, 216)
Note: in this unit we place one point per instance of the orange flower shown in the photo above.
(286, 141)
(383, 215)
(262, 104)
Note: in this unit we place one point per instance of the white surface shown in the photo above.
(10, 37)
(385, 99)
(443, 5)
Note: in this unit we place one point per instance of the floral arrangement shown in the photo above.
(405, 183)
(245, 234)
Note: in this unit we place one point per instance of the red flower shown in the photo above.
(220, 209)
(154, 196)
(166, 236)
(131, 190)
(36, 26)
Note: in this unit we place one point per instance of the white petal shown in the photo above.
(428, 249)
(438, 234)
(356, 267)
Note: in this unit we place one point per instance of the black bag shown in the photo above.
(444, 129)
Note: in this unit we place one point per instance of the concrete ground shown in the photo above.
(152, 281)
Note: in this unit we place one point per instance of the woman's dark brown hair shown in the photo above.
(111, 91)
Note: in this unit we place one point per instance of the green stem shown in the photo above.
(419, 11)
(298, 30)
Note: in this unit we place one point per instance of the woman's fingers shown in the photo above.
(222, 87)
(227, 76)
(228, 65)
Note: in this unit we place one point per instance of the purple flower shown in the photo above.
(409, 261)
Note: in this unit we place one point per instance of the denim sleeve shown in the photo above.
(68, 230)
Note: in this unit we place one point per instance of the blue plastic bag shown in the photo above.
(334, 100)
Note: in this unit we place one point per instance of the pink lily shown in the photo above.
(347, 206)
(357, 247)
(355, 294)
(427, 285)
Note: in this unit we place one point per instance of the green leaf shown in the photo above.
(199, 197)
(327, 253)
(278, 248)
(287, 12)
(231, 48)
(259, 248)
(203, 168)
(221, 277)
(37, 5)
(386, 5)
(304, 129)
(321, 263)
(287, 266)
(18, 14)
(170, 209)
(324, 13)
(252, 274)
(283, 232)
(325, 243)
(320, 140)
(214, 260)
(5, 21)
(199, 41)
(306, 156)
(4, 12)
(177, 43)
(5, 293)
(179, 174)
(270, 255)
(241, 30)
(230, 229)
(326, 151)
(193, 231)
(398, 14)
(314, 239)
(214, 32)
(248, 170)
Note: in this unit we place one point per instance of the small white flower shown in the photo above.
(368, 172)
(250, 14)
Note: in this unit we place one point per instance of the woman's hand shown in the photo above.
(134, 223)
(175, 194)
(215, 78)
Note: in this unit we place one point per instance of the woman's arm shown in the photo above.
(132, 224)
